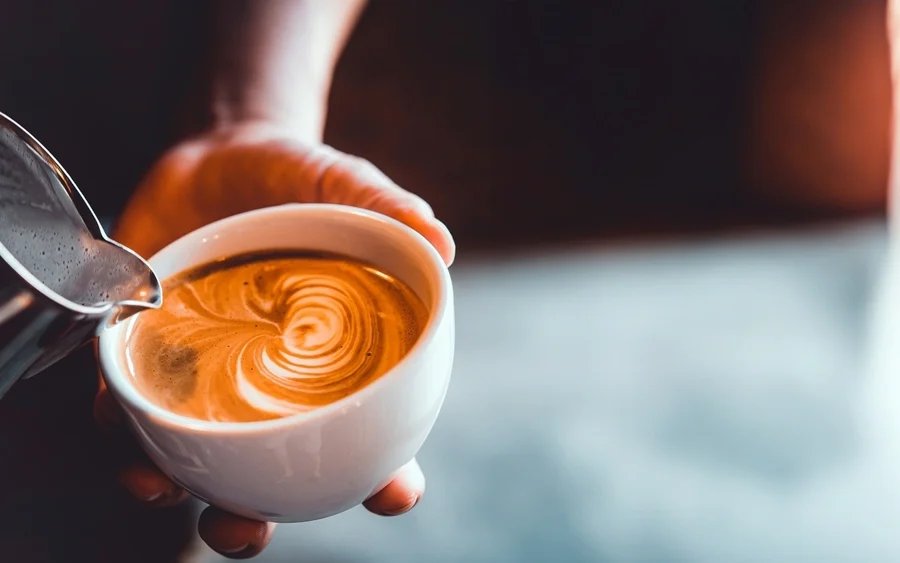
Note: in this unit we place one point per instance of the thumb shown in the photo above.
(349, 180)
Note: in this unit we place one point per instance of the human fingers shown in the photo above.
(234, 536)
(133, 470)
(401, 494)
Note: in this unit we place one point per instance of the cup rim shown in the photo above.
(115, 373)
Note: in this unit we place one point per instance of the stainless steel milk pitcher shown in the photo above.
(61, 278)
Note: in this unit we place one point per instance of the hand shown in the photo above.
(228, 172)
(260, 165)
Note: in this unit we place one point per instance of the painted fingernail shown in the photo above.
(404, 509)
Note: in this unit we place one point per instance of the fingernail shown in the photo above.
(168, 498)
(150, 498)
(404, 509)
(161, 499)
(235, 550)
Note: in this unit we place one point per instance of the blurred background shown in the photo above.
(670, 219)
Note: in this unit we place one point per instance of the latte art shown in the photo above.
(261, 338)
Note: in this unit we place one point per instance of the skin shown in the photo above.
(819, 112)
(893, 25)
(256, 140)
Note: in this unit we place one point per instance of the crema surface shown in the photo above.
(266, 336)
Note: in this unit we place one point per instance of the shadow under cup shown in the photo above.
(316, 464)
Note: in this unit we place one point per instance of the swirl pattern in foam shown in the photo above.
(267, 336)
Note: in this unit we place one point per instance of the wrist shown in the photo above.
(214, 107)
(300, 111)
(272, 61)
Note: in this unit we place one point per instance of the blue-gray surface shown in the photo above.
(691, 402)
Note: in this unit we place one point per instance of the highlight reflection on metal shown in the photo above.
(61, 278)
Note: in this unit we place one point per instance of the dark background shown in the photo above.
(520, 120)
(523, 122)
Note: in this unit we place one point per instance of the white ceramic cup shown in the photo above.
(317, 464)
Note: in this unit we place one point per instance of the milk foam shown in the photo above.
(272, 337)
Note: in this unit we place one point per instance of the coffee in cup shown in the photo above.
(270, 334)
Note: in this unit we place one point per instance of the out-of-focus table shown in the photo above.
(689, 402)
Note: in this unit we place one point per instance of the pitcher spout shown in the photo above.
(138, 290)
(61, 278)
